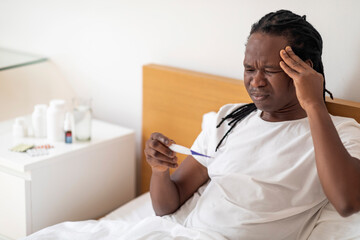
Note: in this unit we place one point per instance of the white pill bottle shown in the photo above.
(55, 120)
(39, 120)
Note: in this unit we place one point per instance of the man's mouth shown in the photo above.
(259, 96)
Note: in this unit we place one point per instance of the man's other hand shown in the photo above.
(157, 153)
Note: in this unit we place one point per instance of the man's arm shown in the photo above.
(338, 171)
(167, 192)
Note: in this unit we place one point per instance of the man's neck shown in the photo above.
(284, 115)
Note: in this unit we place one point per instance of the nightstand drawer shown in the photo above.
(12, 205)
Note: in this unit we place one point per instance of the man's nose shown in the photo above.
(258, 80)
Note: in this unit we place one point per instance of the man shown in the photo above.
(277, 161)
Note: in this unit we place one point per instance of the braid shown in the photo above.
(305, 41)
(236, 116)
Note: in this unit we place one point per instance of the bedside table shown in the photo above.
(78, 181)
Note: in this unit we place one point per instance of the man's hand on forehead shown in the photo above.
(308, 83)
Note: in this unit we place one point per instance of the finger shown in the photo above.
(156, 162)
(160, 147)
(291, 62)
(163, 139)
(296, 58)
(289, 71)
(152, 153)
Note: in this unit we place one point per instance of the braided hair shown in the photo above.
(305, 41)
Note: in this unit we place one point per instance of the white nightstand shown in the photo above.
(76, 181)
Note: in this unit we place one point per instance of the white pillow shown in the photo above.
(208, 120)
(133, 211)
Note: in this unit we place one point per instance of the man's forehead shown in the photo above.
(265, 42)
(265, 48)
(266, 58)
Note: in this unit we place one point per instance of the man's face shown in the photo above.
(270, 88)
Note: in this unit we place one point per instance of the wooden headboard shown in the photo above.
(174, 101)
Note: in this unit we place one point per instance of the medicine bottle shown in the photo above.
(55, 120)
(68, 128)
(19, 128)
(39, 120)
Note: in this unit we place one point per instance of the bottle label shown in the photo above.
(68, 137)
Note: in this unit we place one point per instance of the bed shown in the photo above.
(175, 102)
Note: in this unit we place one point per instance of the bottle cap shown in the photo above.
(20, 121)
(40, 108)
(57, 103)
(67, 122)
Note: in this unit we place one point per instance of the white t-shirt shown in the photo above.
(264, 183)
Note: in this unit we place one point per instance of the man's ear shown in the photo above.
(310, 63)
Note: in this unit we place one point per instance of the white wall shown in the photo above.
(101, 45)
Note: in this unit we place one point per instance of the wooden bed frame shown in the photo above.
(174, 101)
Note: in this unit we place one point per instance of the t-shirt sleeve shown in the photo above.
(200, 146)
(210, 135)
(202, 142)
(349, 132)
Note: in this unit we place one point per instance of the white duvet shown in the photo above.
(135, 221)
(149, 228)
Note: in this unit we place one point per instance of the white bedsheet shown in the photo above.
(148, 228)
(135, 220)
